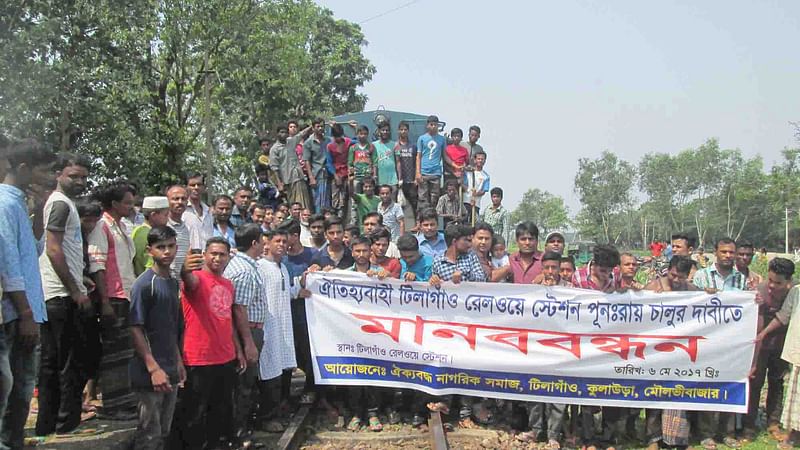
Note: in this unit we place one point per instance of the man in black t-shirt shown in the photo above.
(405, 154)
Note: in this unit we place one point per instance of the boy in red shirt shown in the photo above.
(211, 353)
(455, 157)
(379, 261)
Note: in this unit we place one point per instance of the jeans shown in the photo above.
(554, 413)
(155, 419)
(770, 368)
(24, 364)
(70, 347)
(340, 200)
(429, 191)
(206, 406)
(246, 388)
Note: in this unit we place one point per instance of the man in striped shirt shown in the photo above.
(187, 238)
(721, 276)
(249, 315)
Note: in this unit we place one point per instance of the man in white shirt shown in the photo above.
(198, 217)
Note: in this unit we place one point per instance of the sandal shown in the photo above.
(552, 444)
(355, 424)
(375, 424)
(440, 407)
(468, 424)
(708, 444)
(88, 415)
(786, 445)
(527, 436)
(732, 442)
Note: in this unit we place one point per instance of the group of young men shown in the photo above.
(191, 317)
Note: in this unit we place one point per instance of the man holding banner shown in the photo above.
(721, 276)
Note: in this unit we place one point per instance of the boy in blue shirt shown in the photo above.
(156, 370)
(430, 147)
(413, 265)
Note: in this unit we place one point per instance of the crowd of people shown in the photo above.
(190, 317)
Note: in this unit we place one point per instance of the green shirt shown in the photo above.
(365, 205)
(383, 159)
(141, 260)
(360, 159)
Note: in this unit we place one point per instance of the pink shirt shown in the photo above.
(525, 276)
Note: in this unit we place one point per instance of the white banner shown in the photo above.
(675, 350)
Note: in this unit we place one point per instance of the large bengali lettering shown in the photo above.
(686, 350)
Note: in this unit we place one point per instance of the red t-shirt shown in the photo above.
(208, 332)
(656, 248)
(391, 265)
(458, 154)
(339, 154)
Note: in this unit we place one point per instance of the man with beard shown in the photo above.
(720, 276)
(187, 239)
(61, 378)
(670, 426)
(223, 205)
(240, 215)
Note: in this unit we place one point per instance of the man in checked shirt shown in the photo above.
(249, 314)
(457, 264)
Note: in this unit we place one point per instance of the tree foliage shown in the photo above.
(146, 85)
(546, 210)
(604, 186)
(707, 191)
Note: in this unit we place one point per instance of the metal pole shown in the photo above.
(786, 231)
(209, 132)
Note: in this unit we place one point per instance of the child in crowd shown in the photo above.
(456, 157)
(367, 202)
(350, 233)
(156, 214)
(383, 158)
(379, 261)
(476, 184)
(359, 159)
(499, 255)
(156, 369)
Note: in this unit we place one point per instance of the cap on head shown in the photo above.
(554, 233)
(155, 203)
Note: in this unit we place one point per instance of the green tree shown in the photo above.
(604, 186)
(151, 88)
(546, 210)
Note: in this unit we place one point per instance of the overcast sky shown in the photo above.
(551, 82)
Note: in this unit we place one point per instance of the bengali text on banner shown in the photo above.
(677, 350)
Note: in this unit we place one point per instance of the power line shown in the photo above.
(388, 12)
